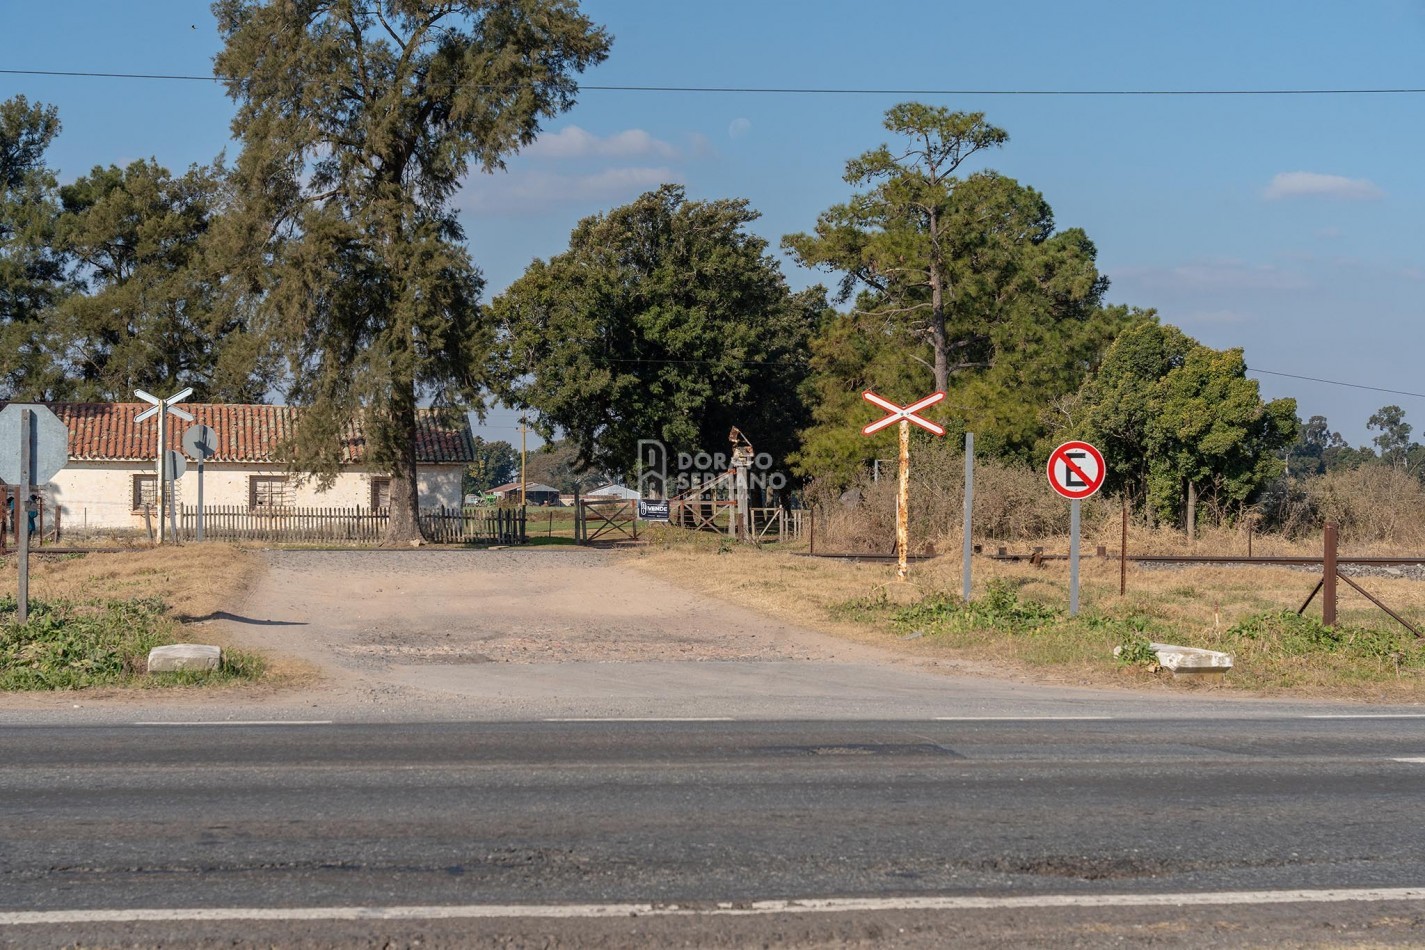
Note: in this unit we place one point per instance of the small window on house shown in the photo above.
(380, 493)
(145, 492)
(268, 491)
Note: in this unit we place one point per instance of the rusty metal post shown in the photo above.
(903, 501)
(1328, 578)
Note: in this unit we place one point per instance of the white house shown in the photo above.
(112, 460)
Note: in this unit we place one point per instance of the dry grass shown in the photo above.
(196, 581)
(1193, 606)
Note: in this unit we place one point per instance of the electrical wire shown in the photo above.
(1337, 382)
(822, 91)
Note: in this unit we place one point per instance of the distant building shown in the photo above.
(109, 480)
(535, 493)
(620, 492)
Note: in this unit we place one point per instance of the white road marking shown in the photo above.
(1021, 718)
(240, 722)
(750, 909)
(1367, 716)
(645, 719)
(1417, 761)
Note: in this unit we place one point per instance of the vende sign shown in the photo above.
(1076, 470)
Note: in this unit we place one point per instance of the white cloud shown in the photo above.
(528, 190)
(1316, 185)
(572, 142)
(1215, 275)
(739, 127)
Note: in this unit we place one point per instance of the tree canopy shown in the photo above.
(358, 121)
(961, 285)
(33, 274)
(665, 319)
(1177, 420)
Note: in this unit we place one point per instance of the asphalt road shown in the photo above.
(592, 814)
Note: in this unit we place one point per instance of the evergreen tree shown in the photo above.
(358, 120)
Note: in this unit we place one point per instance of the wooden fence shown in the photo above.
(352, 525)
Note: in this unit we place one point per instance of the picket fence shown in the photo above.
(355, 525)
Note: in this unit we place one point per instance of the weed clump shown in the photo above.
(74, 645)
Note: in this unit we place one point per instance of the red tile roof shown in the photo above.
(245, 433)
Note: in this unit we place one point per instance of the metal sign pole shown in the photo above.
(967, 549)
(162, 430)
(903, 501)
(200, 497)
(22, 504)
(1074, 557)
(170, 460)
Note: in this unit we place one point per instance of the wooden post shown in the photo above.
(1123, 552)
(1328, 578)
(811, 531)
(903, 501)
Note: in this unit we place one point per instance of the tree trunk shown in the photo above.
(404, 526)
(1191, 510)
(938, 340)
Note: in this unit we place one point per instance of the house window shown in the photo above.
(145, 492)
(268, 491)
(380, 493)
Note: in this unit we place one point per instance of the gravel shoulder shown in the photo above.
(561, 633)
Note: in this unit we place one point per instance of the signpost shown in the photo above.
(201, 443)
(34, 446)
(1076, 471)
(162, 408)
(905, 415)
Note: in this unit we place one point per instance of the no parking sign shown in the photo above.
(1076, 470)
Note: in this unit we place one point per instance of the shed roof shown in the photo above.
(529, 487)
(107, 432)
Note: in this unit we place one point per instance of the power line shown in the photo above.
(822, 91)
(1337, 382)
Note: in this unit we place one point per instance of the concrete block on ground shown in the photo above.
(1191, 661)
(184, 656)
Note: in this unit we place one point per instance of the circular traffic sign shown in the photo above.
(200, 442)
(1076, 470)
(174, 464)
(49, 443)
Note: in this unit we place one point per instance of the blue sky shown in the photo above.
(1287, 225)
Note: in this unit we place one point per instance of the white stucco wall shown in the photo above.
(99, 494)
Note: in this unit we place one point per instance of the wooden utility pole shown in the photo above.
(903, 501)
(523, 455)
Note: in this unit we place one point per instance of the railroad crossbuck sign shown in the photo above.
(902, 413)
(1076, 470)
(906, 416)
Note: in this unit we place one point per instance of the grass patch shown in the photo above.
(77, 645)
(1017, 619)
(94, 617)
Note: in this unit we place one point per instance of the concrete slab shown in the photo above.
(184, 656)
(1191, 661)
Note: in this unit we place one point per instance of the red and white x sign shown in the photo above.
(903, 413)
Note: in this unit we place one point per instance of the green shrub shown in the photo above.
(70, 645)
